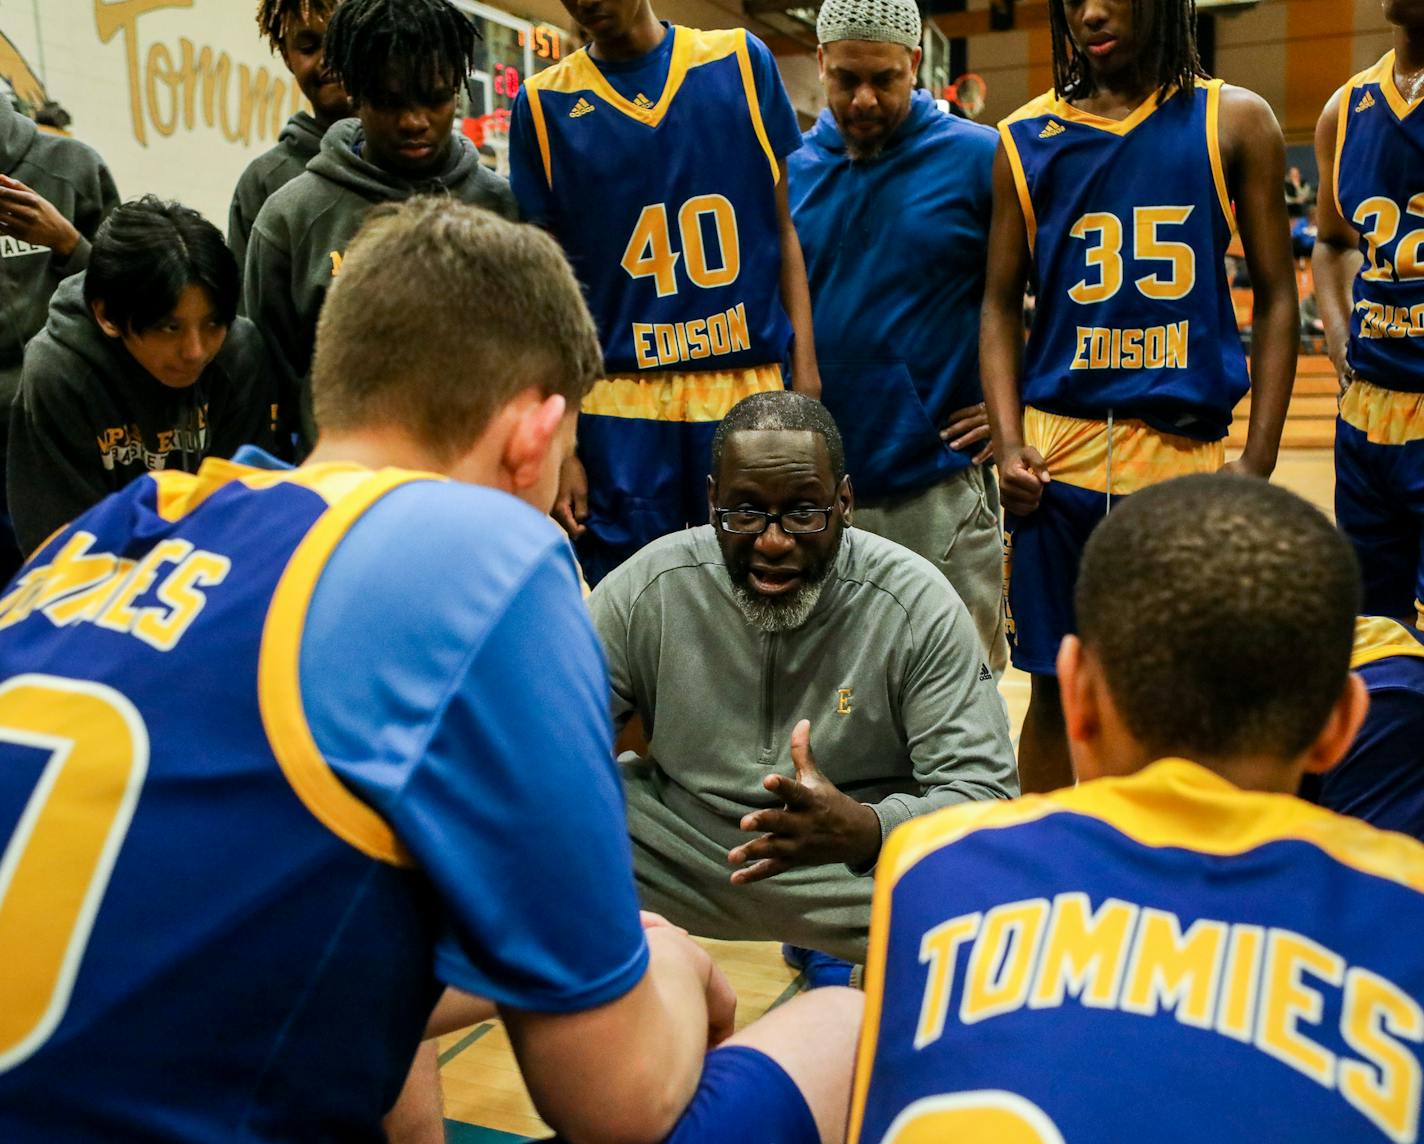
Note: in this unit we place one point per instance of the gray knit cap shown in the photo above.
(883, 21)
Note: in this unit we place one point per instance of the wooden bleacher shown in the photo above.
(1310, 424)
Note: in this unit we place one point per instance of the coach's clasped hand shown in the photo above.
(817, 823)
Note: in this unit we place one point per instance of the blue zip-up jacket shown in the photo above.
(895, 254)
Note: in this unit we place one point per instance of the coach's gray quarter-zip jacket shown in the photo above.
(904, 716)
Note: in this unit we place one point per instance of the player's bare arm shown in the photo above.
(663, 1027)
(796, 298)
(1337, 255)
(1022, 472)
(571, 504)
(1253, 154)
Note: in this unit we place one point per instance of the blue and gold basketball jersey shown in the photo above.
(1160, 957)
(1379, 187)
(1381, 777)
(1128, 223)
(666, 206)
(175, 849)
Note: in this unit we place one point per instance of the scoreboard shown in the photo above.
(511, 50)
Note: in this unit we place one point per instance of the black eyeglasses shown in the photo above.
(797, 522)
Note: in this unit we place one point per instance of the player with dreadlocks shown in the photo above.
(1118, 191)
(296, 30)
(402, 63)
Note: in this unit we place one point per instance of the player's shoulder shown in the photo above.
(272, 169)
(459, 540)
(703, 44)
(963, 139)
(1036, 108)
(569, 74)
(1375, 74)
(1171, 804)
(1246, 115)
(893, 571)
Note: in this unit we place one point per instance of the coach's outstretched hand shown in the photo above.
(1022, 475)
(816, 825)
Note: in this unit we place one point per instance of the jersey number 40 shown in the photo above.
(649, 253)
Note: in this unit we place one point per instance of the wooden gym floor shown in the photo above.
(485, 1100)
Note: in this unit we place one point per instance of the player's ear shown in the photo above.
(1080, 685)
(101, 316)
(533, 436)
(1340, 728)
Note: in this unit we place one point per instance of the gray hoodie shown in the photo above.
(88, 418)
(299, 143)
(72, 177)
(301, 234)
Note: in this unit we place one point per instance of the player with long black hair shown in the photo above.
(1120, 190)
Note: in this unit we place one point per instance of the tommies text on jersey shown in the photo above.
(1162, 957)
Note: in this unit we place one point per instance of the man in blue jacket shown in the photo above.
(891, 198)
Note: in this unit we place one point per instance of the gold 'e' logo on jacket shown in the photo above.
(843, 706)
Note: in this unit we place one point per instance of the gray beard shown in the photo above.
(860, 153)
(775, 615)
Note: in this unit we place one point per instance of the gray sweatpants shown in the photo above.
(955, 526)
(680, 860)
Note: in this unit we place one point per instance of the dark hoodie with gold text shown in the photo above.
(88, 418)
(72, 177)
(300, 237)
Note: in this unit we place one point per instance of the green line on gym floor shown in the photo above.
(464, 1043)
(458, 1132)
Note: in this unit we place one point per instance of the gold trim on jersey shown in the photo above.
(1384, 416)
(182, 493)
(1049, 104)
(692, 47)
(1171, 804)
(694, 396)
(278, 671)
(1076, 452)
(1011, 150)
(1213, 148)
(1378, 638)
(1383, 74)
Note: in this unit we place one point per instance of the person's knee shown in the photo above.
(813, 1038)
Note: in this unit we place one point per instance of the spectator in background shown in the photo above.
(402, 63)
(1298, 191)
(54, 193)
(142, 366)
(296, 30)
(898, 323)
(1303, 231)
